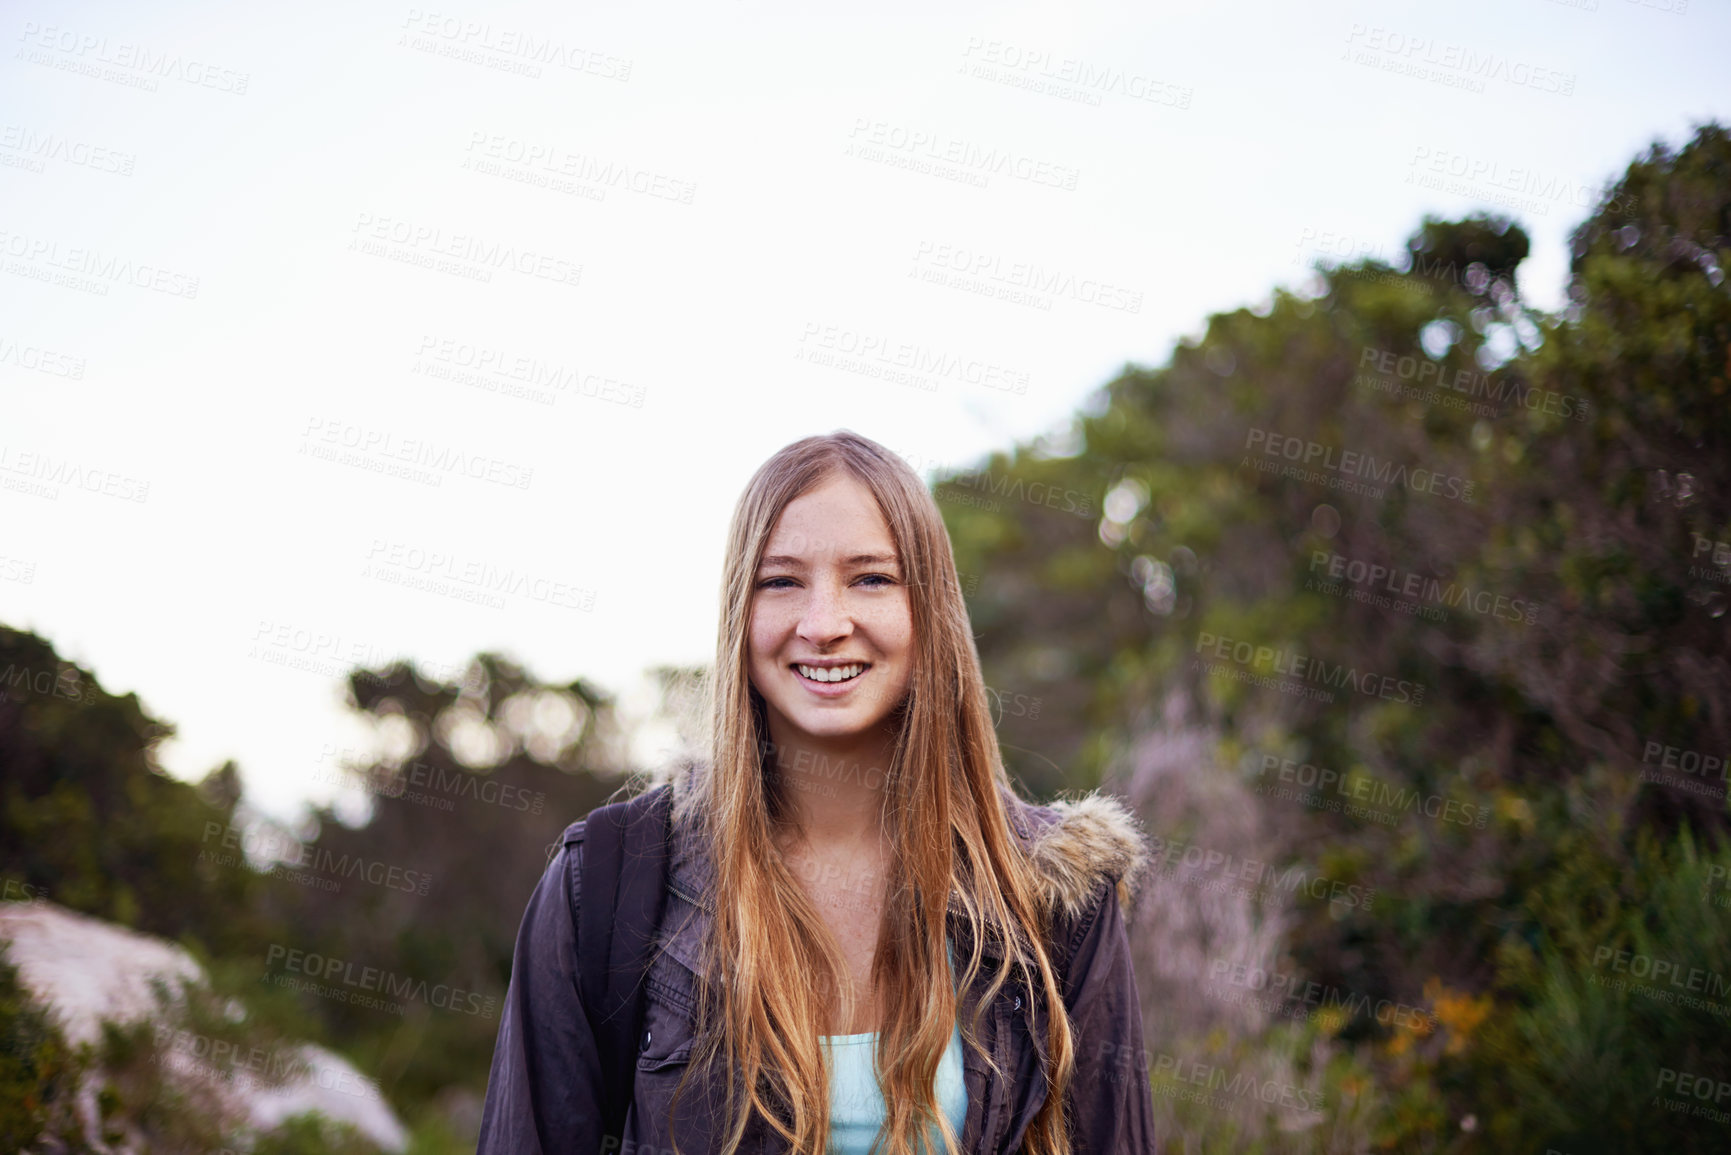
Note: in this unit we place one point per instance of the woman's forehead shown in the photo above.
(833, 521)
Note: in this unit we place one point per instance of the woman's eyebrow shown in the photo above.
(787, 562)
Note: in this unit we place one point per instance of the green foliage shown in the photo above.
(312, 1134)
(38, 1071)
(435, 1136)
(1597, 445)
(1582, 1059)
(139, 1100)
(87, 820)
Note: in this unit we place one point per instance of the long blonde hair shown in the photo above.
(951, 836)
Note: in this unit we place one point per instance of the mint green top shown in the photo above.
(856, 1102)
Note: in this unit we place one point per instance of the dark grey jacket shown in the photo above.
(542, 1093)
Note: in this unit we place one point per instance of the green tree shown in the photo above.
(1550, 580)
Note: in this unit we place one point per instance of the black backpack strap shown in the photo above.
(623, 891)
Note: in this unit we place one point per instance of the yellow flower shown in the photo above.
(1460, 1012)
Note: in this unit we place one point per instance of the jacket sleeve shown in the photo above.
(545, 1081)
(1111, 1102)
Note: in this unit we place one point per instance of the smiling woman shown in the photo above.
(864, 935)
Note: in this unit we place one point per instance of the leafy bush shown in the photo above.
(38, 1071)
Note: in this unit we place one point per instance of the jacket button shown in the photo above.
(647, 1035)
(1018, 1002)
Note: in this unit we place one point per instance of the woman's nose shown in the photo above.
(826, 616)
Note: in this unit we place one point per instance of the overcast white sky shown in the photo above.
(270, 280)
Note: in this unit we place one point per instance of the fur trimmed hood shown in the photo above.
(1073, 844)
(1084, 840)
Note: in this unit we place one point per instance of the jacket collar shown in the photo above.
(1073, 844)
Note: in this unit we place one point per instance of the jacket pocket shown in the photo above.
(650, 1061)
(668, 1027)
(663, 1061)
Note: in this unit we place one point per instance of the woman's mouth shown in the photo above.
(830, 675)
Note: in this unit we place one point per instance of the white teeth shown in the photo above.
(831, 673)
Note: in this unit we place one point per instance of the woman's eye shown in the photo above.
(877, 580)
(774, 583)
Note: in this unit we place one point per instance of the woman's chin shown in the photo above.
(836, 725)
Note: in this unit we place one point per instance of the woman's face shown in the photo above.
(831, 643)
